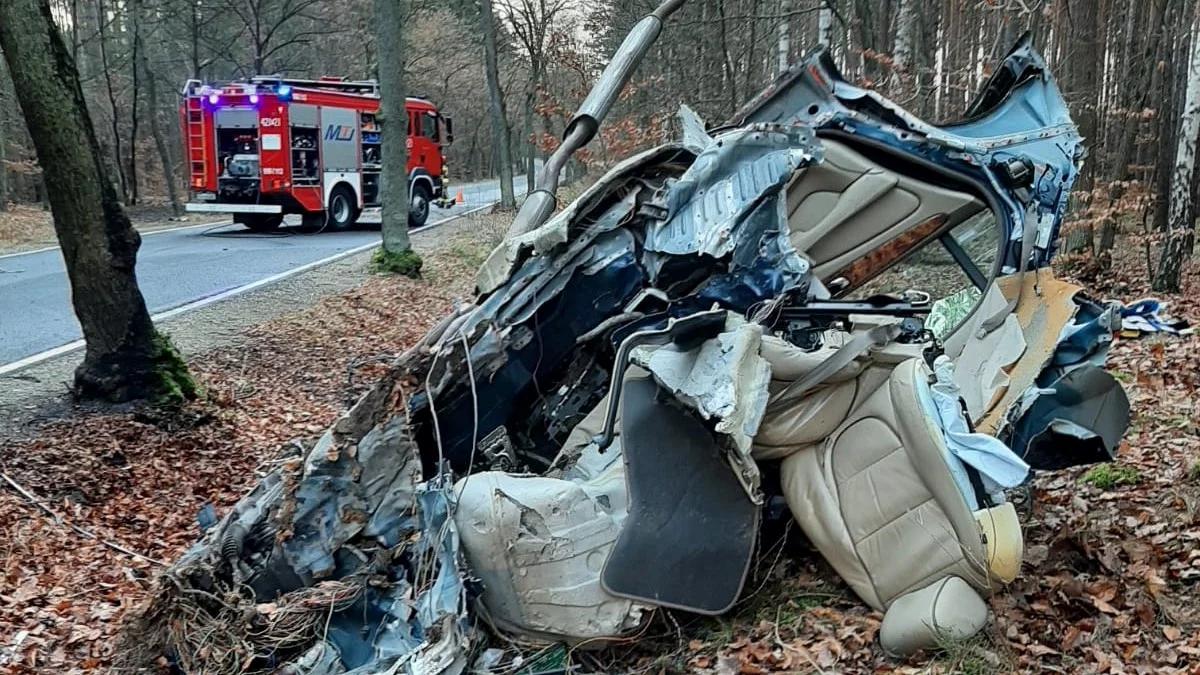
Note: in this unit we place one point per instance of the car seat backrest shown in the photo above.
(878, 500)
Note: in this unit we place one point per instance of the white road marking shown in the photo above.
(224, 295)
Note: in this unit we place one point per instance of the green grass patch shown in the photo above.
(972, 656)
(406, 263)
(1109, 476)
(1194, 472)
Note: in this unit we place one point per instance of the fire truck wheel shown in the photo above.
(418, 206)
(342, 210)
(259, 223)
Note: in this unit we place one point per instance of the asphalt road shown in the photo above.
(178, 268)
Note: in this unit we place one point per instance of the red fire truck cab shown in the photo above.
(267, 146)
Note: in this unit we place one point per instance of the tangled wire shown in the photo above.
(228, 633)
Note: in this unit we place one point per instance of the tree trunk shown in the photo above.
(1167, 98)
(101, 39)
(1178, 244)
(906, 28)
(125, 358)
(727, 61)
(136, 58)
(825, 23)
(194, 34)
(4, 106)
(1085, 66)
(527, 129)
(389, 22)
(785, 38)
(503, 152)
(1132, 96)
(160, 140)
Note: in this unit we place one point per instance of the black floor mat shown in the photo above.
(691, 529)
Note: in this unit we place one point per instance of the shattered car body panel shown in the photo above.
(1018, 147)
(610, 439)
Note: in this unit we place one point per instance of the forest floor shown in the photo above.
(28, 227)
(1111, 581)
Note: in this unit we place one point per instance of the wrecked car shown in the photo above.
(823, 301)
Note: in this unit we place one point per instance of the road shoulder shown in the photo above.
(40, 392)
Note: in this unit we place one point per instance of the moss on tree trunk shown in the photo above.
(125, 358)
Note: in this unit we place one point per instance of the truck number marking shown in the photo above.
(271, 122)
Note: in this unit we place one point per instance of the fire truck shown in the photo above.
(268, 146)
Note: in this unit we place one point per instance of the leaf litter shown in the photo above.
(1110, 583)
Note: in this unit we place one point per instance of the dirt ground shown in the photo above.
(1111, 582)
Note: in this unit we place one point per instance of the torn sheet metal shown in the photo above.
(1018, 134)
(725, 183)
(504, 259)
(695, 136)
(352, 522)
(982, 359)
(1078, 419)
(724, 379)
(1047, 307)
(363, 489)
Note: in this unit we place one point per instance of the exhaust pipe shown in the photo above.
(586, 122)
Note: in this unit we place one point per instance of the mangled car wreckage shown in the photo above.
(824, 301)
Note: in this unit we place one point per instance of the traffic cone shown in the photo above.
(458, 198)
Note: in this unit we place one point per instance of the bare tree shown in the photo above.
(499, 116)
(103, 21)
(4, 104)
(785, 37)
(1180, 227)
(906, 29)
(135, 58)
(531, 22)
(125, 357)
(389, 27)
(825, 23)
(273, 26)
(154, 108)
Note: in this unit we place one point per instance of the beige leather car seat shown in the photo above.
(878, 500)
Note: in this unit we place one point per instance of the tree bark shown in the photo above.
(784, 51)
(4, 106)
(825, 24)
(906, 28)
(102, 39)
(1132, 97)
(125, 358)
(527, 129)
(135, 21)
(1178, 244)
(389, 22)
(503, 152)
(1085, 86)
(160, 140)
